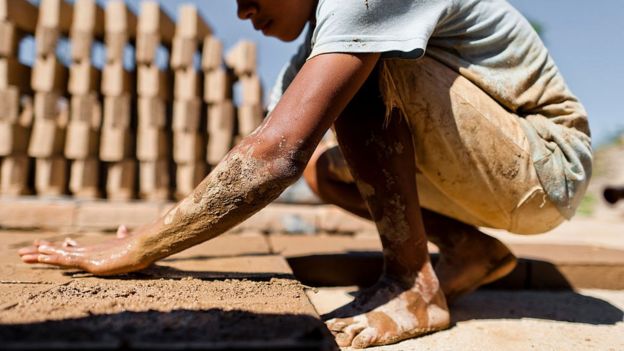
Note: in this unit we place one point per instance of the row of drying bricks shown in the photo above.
(89, 144)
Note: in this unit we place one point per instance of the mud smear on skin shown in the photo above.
(187, 310)
(240, 186)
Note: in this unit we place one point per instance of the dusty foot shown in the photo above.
(471, 260)
(390, 312)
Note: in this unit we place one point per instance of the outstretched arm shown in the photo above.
(252, 175)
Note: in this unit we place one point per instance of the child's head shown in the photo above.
(283, 19)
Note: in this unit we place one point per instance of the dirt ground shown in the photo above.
(236, 296)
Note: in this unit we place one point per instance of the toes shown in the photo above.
(347, 329)
(337, 325)
(365, 338)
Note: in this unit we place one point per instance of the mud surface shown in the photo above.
(148, 311)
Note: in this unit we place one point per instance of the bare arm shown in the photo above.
(252, 175)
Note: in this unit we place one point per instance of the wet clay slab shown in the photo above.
(229, 293)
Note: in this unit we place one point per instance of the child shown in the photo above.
(449, 114)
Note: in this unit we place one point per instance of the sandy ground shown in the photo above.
(518, 320)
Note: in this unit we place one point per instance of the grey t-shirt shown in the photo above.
(488, 42)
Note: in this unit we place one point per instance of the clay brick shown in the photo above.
(152, 113)
(86, 108)
(183, 52)
(14, 172)
(14, 73)
(51, 176)
(20, 12)
(218, 85)
(247, 244)
(119, 18)
(242, 58)
(249, 118)
(190, 23)
(9, 39)
(55, 14)
(84, 78)
(116, 80)
(154, 27)
(84, 178)
(55, 18)
(190, 29)
(188, 176)
(36, 213)
(104, 215)
(153, 144)
(322, 244)
(88, 23)
(116, 144)
(189, 147)
(10, 102)
(187, 84)
(14, 138)
(220, 131)
(49, 75)
(332, 219)
(187, 115)
(83, 141)
(118, 112)
(121, 180)
(212, 54)
(251, 90)
(154, 180)
(47, 105)
(153, 82)
(47, 139)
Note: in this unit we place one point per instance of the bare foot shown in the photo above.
(391, 311)
(471, 260)
(116, 256)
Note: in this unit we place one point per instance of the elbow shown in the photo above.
(286, 170)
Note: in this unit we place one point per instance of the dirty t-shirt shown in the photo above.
(488, 42)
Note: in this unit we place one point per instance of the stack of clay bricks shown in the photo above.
(17, 17)
(189, 140)
(85, 113)
(49, 82)
(218, 94)
(144, 126)
(117, 142)
(242, 60)
(155, 29)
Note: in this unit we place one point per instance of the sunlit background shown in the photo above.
(586, 39)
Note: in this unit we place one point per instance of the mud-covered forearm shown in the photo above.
(237, 188)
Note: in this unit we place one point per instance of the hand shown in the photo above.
(115, 256)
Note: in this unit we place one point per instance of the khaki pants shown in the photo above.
(473, 158)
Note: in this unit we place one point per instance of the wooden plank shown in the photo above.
(20, 12)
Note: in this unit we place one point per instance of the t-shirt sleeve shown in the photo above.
(395, 28)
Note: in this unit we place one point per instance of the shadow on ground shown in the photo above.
(213, 329)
